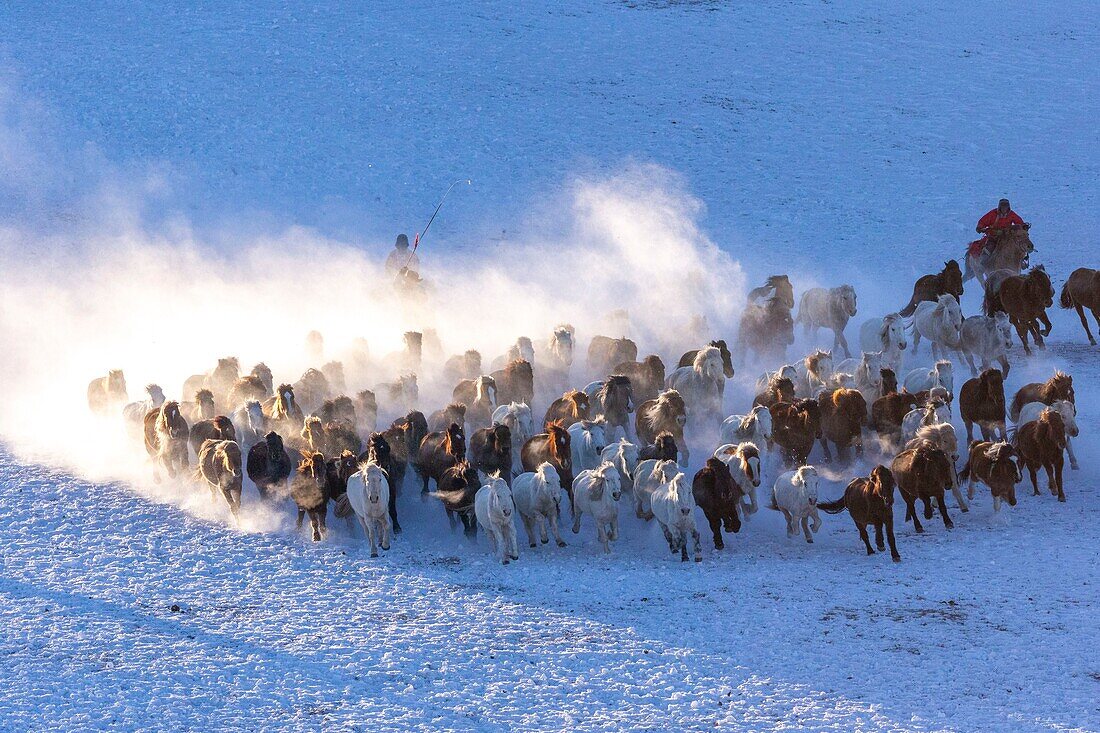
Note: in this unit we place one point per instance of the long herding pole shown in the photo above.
(420, 235)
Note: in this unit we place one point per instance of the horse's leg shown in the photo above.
(451, 520)
(1046, 322)
(613, 527)
(928, 513)
(890, 537)
(1058, 464)
(912, 511)
(393, 512)
(970, 432)
(1034, 479)
(839, 340)
(529, 525)
(957, 491)
(715, 523)
(806, 529)
(916, 339)
(1037, 332)
(1072, 458)
(1022, 331)
(878, 536)
(825, 448)
(541, 527)
(301, 516)
(1085, 323)
(576, 522)
(943, 511)
(387, 532)
(867, 540)
(553, 522)
(601, 535)
(792, 525)
(492, 535)
(696, 547)
(1051, 485)
(372, 535)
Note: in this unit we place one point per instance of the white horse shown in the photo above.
(587, 440)
(624, 455)
(795, 494)
(943, 436)
(369, 496)
(935, 412)
(940, 322)
(743, 460)
(814, 373)
(886, 334)
(986, 339)
(494, 509)
(134, 413)
(701, 386)
(756, 428)
(597, 492)
(674, 508)
(788, 371)
(555, 357)
(867, 374)
(648, 475)
(250, 424)
(1065, 408)
(516, 416)
(832, 309)
(537, 496)
(942, 374)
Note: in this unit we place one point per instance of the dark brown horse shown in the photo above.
(312, 389)
(923, 472)
(440, 419)
(1058, 387)
(1024, 298)
(263, 373)
(220, 467)
(269, 466)
(889, 381)
(571, 407)
(605, 352)
(166, 434)
(462, 366)
(340, 410)
(779, 389)
(491, 451)
(718, 495)
(982, 403)
(663, 448)
(870, 501)
(216, 428)
(456, 488)
(843, 416)
(550, 447)
(766, 329)
(615, 402)
(283, 413)
(202, 408)
(777, 287)
(1082, 290)
(888, 412)
(795, 427)
(515, 382)
(667, 413)
(646, 376)
(1042, 444)
(248, 387)
(439, 451)
(309, 490)
(931, 287)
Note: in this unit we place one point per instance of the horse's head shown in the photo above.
(846, 297)
(274, 443)
(455, 440)
(610, 480)
(617, 393)
(992, 383)
(116, 383)
(951, 278)
(1040, 281)
(1061, 387)
(171, 422)
(708, 363)
(156, 394)
(548, 476)
(367, 401)
(882, 485)
(486, 390)
(562, 345)
(558, 443)
(228, 368)
(889, 380)
(806, 479)
(263, 373)
(228, 455)
(313, 465)
(892, 333)
(1004, 471)
(666, 446)
(1068, 412)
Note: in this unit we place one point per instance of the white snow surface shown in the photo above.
(846, 142)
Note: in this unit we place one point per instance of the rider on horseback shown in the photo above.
(995, 224)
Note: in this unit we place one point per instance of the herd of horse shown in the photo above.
(626, 429)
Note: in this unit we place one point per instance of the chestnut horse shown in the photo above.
(571, 407)
(931, 287)
(982, 402)
(1042, 444)
(1082, 290)
(924, 472)
(869, 501)
(166, 434)
(1024, 298)
(220, 467)
(1058, 387)
(795, 427)
(843, 416)
(439, 451)
(647, 377)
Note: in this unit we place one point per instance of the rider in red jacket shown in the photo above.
(996, 222)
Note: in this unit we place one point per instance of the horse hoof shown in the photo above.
(533, 545)
(515, 557)
(896, 558)
(1074, 467)
(561, 543)
(544, 541)
(505, 561)
(950, 525)
(374, 554)
(809, 540)
(698, 558)
(964, 509)
(1062, 499)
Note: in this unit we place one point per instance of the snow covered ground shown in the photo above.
(833, 140)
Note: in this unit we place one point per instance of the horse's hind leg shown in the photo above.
(1072, 458)
(1085, 322)
(1058, 477)
(1034, 479)
(943, 511)
(301, 516)
(928, 513)
(867, 540)
(1022, 331)
(393, 513)
(1038, 333)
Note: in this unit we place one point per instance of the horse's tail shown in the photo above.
(964, 474)
(833, 507)
(1066, 299)
(1010, 435)
(991, 303)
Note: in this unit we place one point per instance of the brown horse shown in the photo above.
(457, 488)
(202, 408)
(923, 472)
(332, 438)
(439, 451)
(931, 287)
(571, 407)
(462, 366)
(1058, 387)
(718, 495)
(992, 464)
(366, 411)
(1009, 250)
(663, 448)
(1024, 298)
(646, 376)
(870, 501)
(777, 287)
(216, 428)
(1042, 444)
(440, 419)
(269, 466)
(263, 372)
(888, 412)
(106, 393)
(515, 382)
(249, 387)
(1082, 290)
(550, 447)
(491, 451)
(339, 410)
(982, 402)
(766, 329)
(220, 467)
(795, 427)
(309, 490)
(779, 389)
(312, 389)
(889, 381)
(166, 435)
(283, 412)
(605, 352)
(480, 397)
(667, 413)
(843, 416)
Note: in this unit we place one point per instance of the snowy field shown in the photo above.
(176, 180)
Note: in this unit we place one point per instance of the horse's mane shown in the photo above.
(996, 451)
(204, 395)
(553, 429)
(706, 354)
(169, 407)
(813, 361)
(615, 380)
(931, 432)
